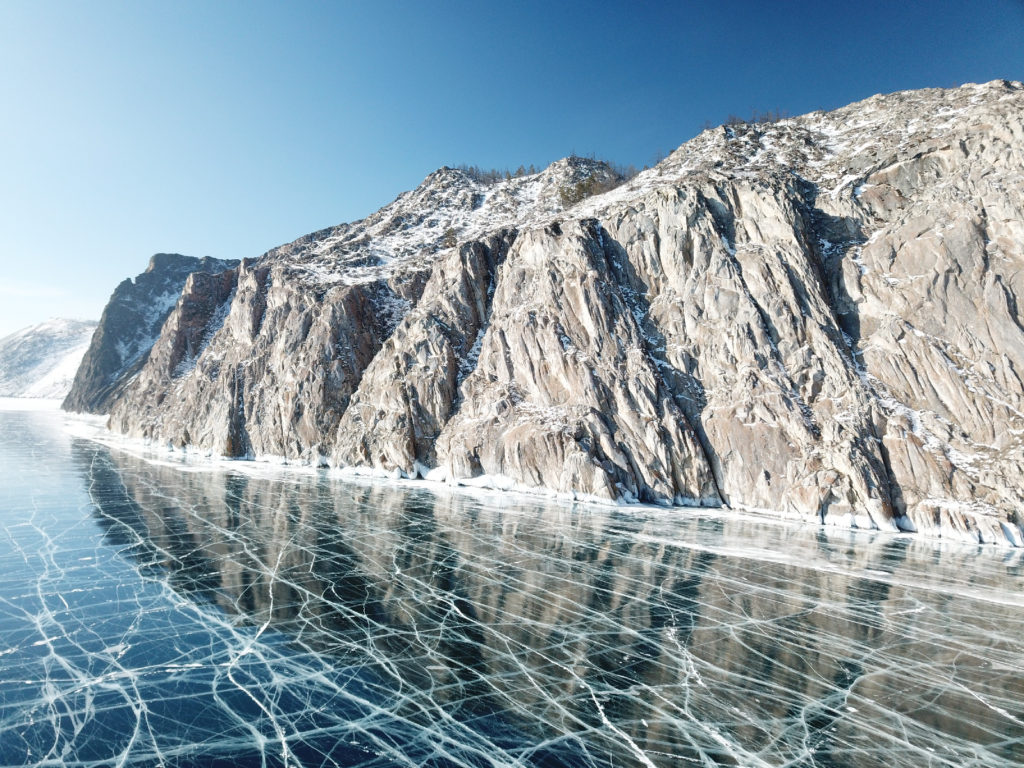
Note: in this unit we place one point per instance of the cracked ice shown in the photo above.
(162, 613)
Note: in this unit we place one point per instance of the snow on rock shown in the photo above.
(130, 325)
(817, 316)
(450, 207)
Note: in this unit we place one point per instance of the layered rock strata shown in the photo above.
(817, 317)
(130, 325)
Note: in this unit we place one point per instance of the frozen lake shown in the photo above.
(155, 612)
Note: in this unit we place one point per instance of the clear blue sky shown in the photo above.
(226, 128)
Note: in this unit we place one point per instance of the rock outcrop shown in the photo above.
(818, 317)
(130, 324)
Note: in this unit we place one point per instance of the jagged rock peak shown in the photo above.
(167, 262)
(818, 316)
(129, 326)
(820, 147)
(449, 207)
(832, 150)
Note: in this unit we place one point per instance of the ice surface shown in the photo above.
(151, 615)
(29, 404)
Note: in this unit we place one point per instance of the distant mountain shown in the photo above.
(41, 360)
(818, 316)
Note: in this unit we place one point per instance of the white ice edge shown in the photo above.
(499, 488)
(29, 404)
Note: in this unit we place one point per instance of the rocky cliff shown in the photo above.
(128, 328)
(817, 316)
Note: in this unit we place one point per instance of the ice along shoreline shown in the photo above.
(93, 427)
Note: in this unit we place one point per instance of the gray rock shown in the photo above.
(277, 363)
(129, 326)
(282, 358)
(816, 317)
(563, 394)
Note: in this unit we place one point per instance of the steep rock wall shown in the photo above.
(278, 363)
(817, 318)
(129, 327)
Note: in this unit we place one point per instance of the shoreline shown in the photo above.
(93, 427)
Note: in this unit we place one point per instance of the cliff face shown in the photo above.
(817, 316)
(129, 326)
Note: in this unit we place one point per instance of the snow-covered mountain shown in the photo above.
(41, 360)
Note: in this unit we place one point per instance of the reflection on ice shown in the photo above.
(302, 620)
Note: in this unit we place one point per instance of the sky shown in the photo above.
(227, 128)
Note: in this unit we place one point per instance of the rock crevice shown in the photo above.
(817, 317)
